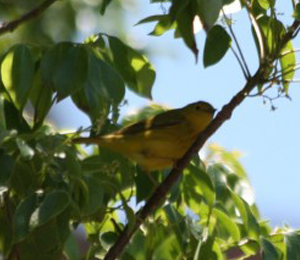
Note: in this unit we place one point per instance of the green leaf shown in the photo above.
(131, 218)
(53, 204)
(265, 4)
(26, 151)
(108, 239)
(134, 67)
(292, 240)
(47, 241)
(11, 117)
(296, 13)
(113, 83)
(217, 43)
(153, 18)
(105, 4)
(269, 250)
(273, 31)
(22, 216)
(178, 224)
(24, 179)
(250, 247)
(205, 249)
(287, 63)
(95, 193)
(17, 71)
(226, 222)
(168, 248)
(65, 68)
(72, 163)
(71, 248)
(41, 99)
(7, 163)
(6, 233)
(204, 182)
(185, 23)
(209, 12)
(137, 248)
(250, 223)
(219, 177)
(191, 191)
(2, 114)
(164, 23)
(145, 184)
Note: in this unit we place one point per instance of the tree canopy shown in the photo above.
(49, 187)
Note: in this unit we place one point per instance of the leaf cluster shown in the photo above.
(49, 187)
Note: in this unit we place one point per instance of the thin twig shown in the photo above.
(288, 52)
(240, 62)
(245, 68)
(261, 92)
(284, 72)
(258, 33)
(12, 25)
(291, 80)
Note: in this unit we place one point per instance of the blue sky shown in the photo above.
(268, 139)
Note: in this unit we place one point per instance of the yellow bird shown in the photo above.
(159, 141)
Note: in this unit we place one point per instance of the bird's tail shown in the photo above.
(87, 140)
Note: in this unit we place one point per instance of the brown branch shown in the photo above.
(160, 193)
(12, 25)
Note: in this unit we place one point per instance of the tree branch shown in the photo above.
(160, 193)
(12, 25)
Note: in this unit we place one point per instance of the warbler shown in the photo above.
(158, 141)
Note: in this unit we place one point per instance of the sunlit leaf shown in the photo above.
(269, 250)
(249, 220)
(178, 224)
(164, 23)
(227, 223)
(26, 151)
(53, 204)
(17, 71)
(21, 217)
(134, 67)
(204, 183)
(287, 63)
(273, 30)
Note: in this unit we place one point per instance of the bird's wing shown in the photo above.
(166, 119)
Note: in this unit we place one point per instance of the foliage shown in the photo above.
(49, 187)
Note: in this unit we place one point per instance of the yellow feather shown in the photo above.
(157, 142)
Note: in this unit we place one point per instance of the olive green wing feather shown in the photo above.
(166, 119)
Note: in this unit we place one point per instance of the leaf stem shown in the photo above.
(241, 59)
